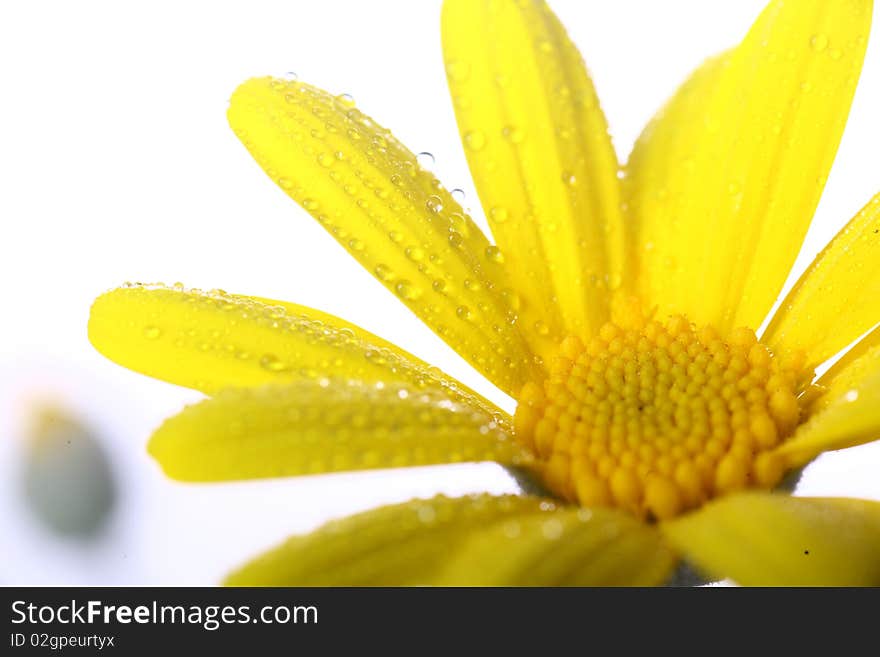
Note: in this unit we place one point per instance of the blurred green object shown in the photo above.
(67, 479)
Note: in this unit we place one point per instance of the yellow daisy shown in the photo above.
(618, 307)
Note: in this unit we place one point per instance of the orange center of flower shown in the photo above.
(656, 418)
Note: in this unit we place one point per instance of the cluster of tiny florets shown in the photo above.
(656, 418)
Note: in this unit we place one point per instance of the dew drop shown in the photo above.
(499, 214)
(414, 253)
(152, 332)
(408, 291)
(819, 42)
(475, 140)
(425, 159)
(614, 280)
(552, 529)
(434, 204)
(513, 134)
(427, 514)
(502, 80)
(584, 515)
(493, 254)
(541, 328)
(512, 299)
(326, 160)
(458, 70)
(458, 195)
(455, 239)
(346, 100)
(355, 244)
(310, 204)
(272, 363)
(463, 312)
(511, 529)
(383, 272)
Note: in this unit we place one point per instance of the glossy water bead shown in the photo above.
(658, 417)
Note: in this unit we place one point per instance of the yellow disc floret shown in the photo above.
(656, 418)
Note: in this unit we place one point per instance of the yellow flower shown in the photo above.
(617, 309)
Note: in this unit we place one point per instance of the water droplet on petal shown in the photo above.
(513, 134)
(415, 254)
(499, 214)
(819, 42)
(475, 140)
(552, 529)
(425, 159)
(272, 363)
(427, 514)
(458, 70)
(408, 291)
(434, 204)
(513, 300)
(152, 332)
(511, 529)
(493, 253)
(383, 272)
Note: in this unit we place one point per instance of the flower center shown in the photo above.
(656, 418)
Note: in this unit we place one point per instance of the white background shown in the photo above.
(117, 164)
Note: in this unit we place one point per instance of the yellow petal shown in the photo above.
(428, 542)
(765, 539)
(312, 427)
(538, 148)
(396, 219)
(849, 372)
(835, 300)
(659, 190)
(724, 182)
(569, 547)
(401, 544)
(851, 418)
(214, 340)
